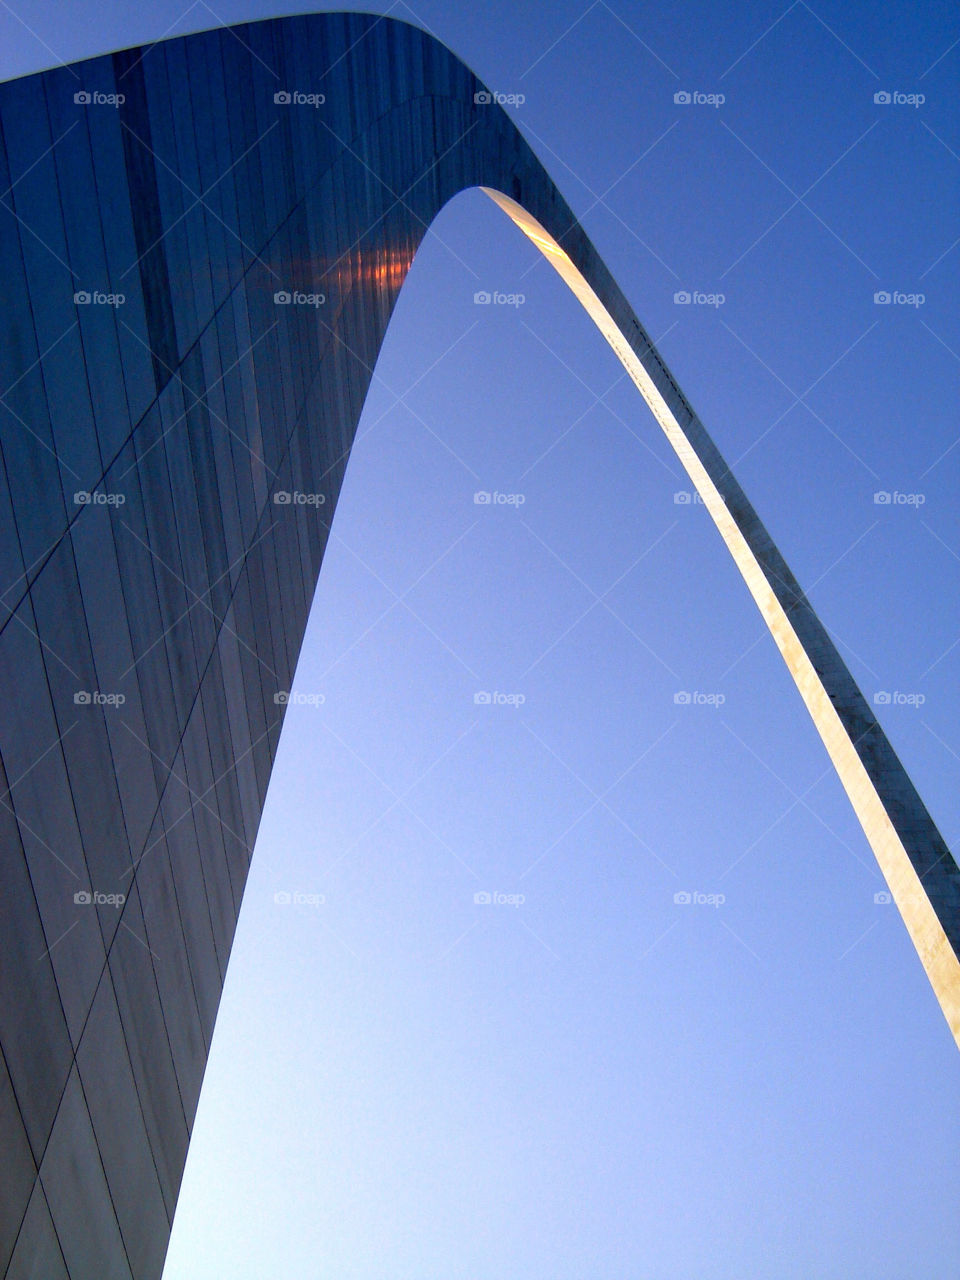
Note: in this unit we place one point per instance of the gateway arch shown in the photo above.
(170, 218)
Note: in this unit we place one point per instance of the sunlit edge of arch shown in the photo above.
(936, 954)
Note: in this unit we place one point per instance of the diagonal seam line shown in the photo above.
(138, 425)
(216, 582)
(177, 376)
(198, 200)
(23, 825)
(188, 812)
(47, 951)
(52, 747)
(198, 799)
(199, 599)
(15, 617)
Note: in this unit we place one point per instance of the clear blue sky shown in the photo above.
(599, 1082)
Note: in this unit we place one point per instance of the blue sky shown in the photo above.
(599, 1081)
